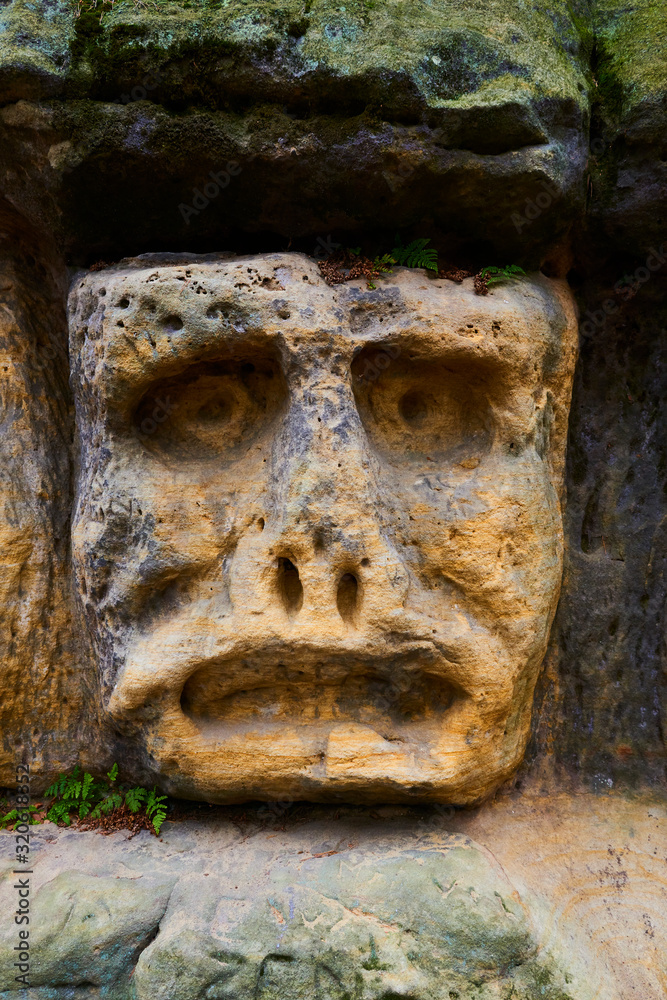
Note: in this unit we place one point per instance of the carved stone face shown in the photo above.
(317, 535)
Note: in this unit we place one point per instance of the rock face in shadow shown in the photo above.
(629, 169)
(330, 115)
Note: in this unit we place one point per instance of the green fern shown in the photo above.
(134, 797)
(156, 810)
(383, 263)
(416, 254)
(81, 794)
(492, 275)
(60, 813)
(113, 800)
(13, 816)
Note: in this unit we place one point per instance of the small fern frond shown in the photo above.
(134, 797)
(416, 254)
(86, 786)
(383, 263)
(113, 773)
(112, 801)
(492, 275)
(57, 788)
(11, 817)
(59, 813)
(156, 809)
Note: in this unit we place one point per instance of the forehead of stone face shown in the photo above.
(151, 318)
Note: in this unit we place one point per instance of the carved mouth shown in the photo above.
(257, 690)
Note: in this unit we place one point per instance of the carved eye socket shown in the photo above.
(213, 410)
(416, 409)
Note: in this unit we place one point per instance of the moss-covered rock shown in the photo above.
(35, 38)
(349, 117)
(416, 924)
(630, 172)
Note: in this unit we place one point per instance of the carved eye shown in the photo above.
(418, 409)
(213, 410)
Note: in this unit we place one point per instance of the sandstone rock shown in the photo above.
(630, 166)
(87, 932)
(42, 688)
(379, 914)
(317, 536)
(422, 924)
(339, 118)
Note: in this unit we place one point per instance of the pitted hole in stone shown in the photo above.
(260, 524)
(289, 586)
(413, 407)
(218, 311)
(365, 561)
(173, 324)
(347, 597)
(124, 302)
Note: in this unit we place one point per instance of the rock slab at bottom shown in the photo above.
(419, 924)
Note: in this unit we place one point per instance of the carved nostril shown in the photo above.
(347, 597)
(289, 586)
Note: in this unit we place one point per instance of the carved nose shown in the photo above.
(321, 562)
(332, 564)
(290, 591)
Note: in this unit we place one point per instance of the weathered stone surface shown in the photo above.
(89, 931)
(317, 532)
(41, 685)
(34, 47)
(527, 898)
(630, 176)
(410, 923)
(339, 117)
(603, 708)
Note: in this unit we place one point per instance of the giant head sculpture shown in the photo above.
(317, 538)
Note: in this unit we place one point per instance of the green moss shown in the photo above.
(426, 52)
(635, 39)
